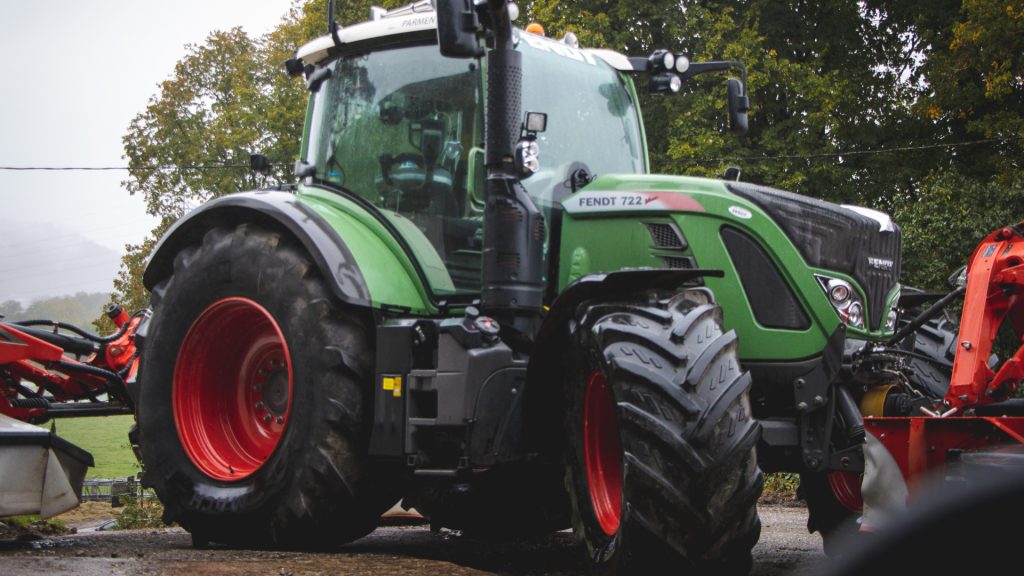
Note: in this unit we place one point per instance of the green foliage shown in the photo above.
(32, 524)
(953, 213)
(138, 513)
(781, 484)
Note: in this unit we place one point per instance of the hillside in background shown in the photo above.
(42, 260)
(80, 309)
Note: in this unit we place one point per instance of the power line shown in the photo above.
(865, 152)
(112, 168)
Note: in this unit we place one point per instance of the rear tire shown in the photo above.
(252, 399)
(661, 468)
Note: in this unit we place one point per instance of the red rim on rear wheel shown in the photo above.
(602, 453)
(232, 389)
(846, 488)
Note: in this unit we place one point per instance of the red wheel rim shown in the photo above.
(232, 389)
(846, 488)
(602, 453)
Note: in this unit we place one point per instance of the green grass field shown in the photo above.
(106, 437)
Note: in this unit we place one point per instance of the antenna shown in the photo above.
(332, 26)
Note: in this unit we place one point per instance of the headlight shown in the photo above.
(844, 299)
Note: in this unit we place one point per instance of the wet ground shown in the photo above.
(785, 548)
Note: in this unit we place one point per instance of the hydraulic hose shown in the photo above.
(925, 316)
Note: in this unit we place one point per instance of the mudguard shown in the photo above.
(321, 241)
(542, 395)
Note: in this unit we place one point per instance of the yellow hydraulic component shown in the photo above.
(873, 402)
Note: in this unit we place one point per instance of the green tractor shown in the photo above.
(476, 301)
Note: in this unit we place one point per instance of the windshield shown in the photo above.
(399, 128)
(592, 117)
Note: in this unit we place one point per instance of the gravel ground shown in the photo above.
(785, 548)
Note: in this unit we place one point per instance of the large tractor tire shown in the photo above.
(252, 412)
(661, 468)
(932, 348)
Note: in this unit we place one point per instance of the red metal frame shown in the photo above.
(995, 283)
(32, 369)
(921, 445)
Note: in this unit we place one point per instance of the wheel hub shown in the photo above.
(232, 389)
(276, 389)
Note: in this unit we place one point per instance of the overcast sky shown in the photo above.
(74, 74)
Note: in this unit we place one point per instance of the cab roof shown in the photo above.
(416, 17)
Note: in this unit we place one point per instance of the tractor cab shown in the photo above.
(401, 127)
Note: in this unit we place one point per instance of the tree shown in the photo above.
(856, 102)
(227, 98)
(953, 212)
(10, 309)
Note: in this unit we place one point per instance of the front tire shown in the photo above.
(661, 468)
(834, 506)
(834, 501)
(252, 399)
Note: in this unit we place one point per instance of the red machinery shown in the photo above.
(50, 369)
(978, 419)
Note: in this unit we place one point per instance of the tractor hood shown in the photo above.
(783, 248)
(860, 242)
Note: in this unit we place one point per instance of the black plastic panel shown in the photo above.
(774, 304)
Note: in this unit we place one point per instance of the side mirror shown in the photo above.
(739, 104)
(259, 163)
(457, 25)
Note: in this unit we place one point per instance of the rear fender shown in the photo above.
(278, 209)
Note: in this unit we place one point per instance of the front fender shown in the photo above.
(547, 362)
(277, 208)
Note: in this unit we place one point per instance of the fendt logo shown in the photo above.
(883, 264)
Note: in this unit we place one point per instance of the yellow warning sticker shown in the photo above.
(394, 384)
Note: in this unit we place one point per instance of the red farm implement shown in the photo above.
(978, 426)
(51, 369)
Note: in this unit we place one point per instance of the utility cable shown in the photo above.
(151, 168)
(865, 152)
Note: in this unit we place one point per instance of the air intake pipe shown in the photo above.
(514, 229)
